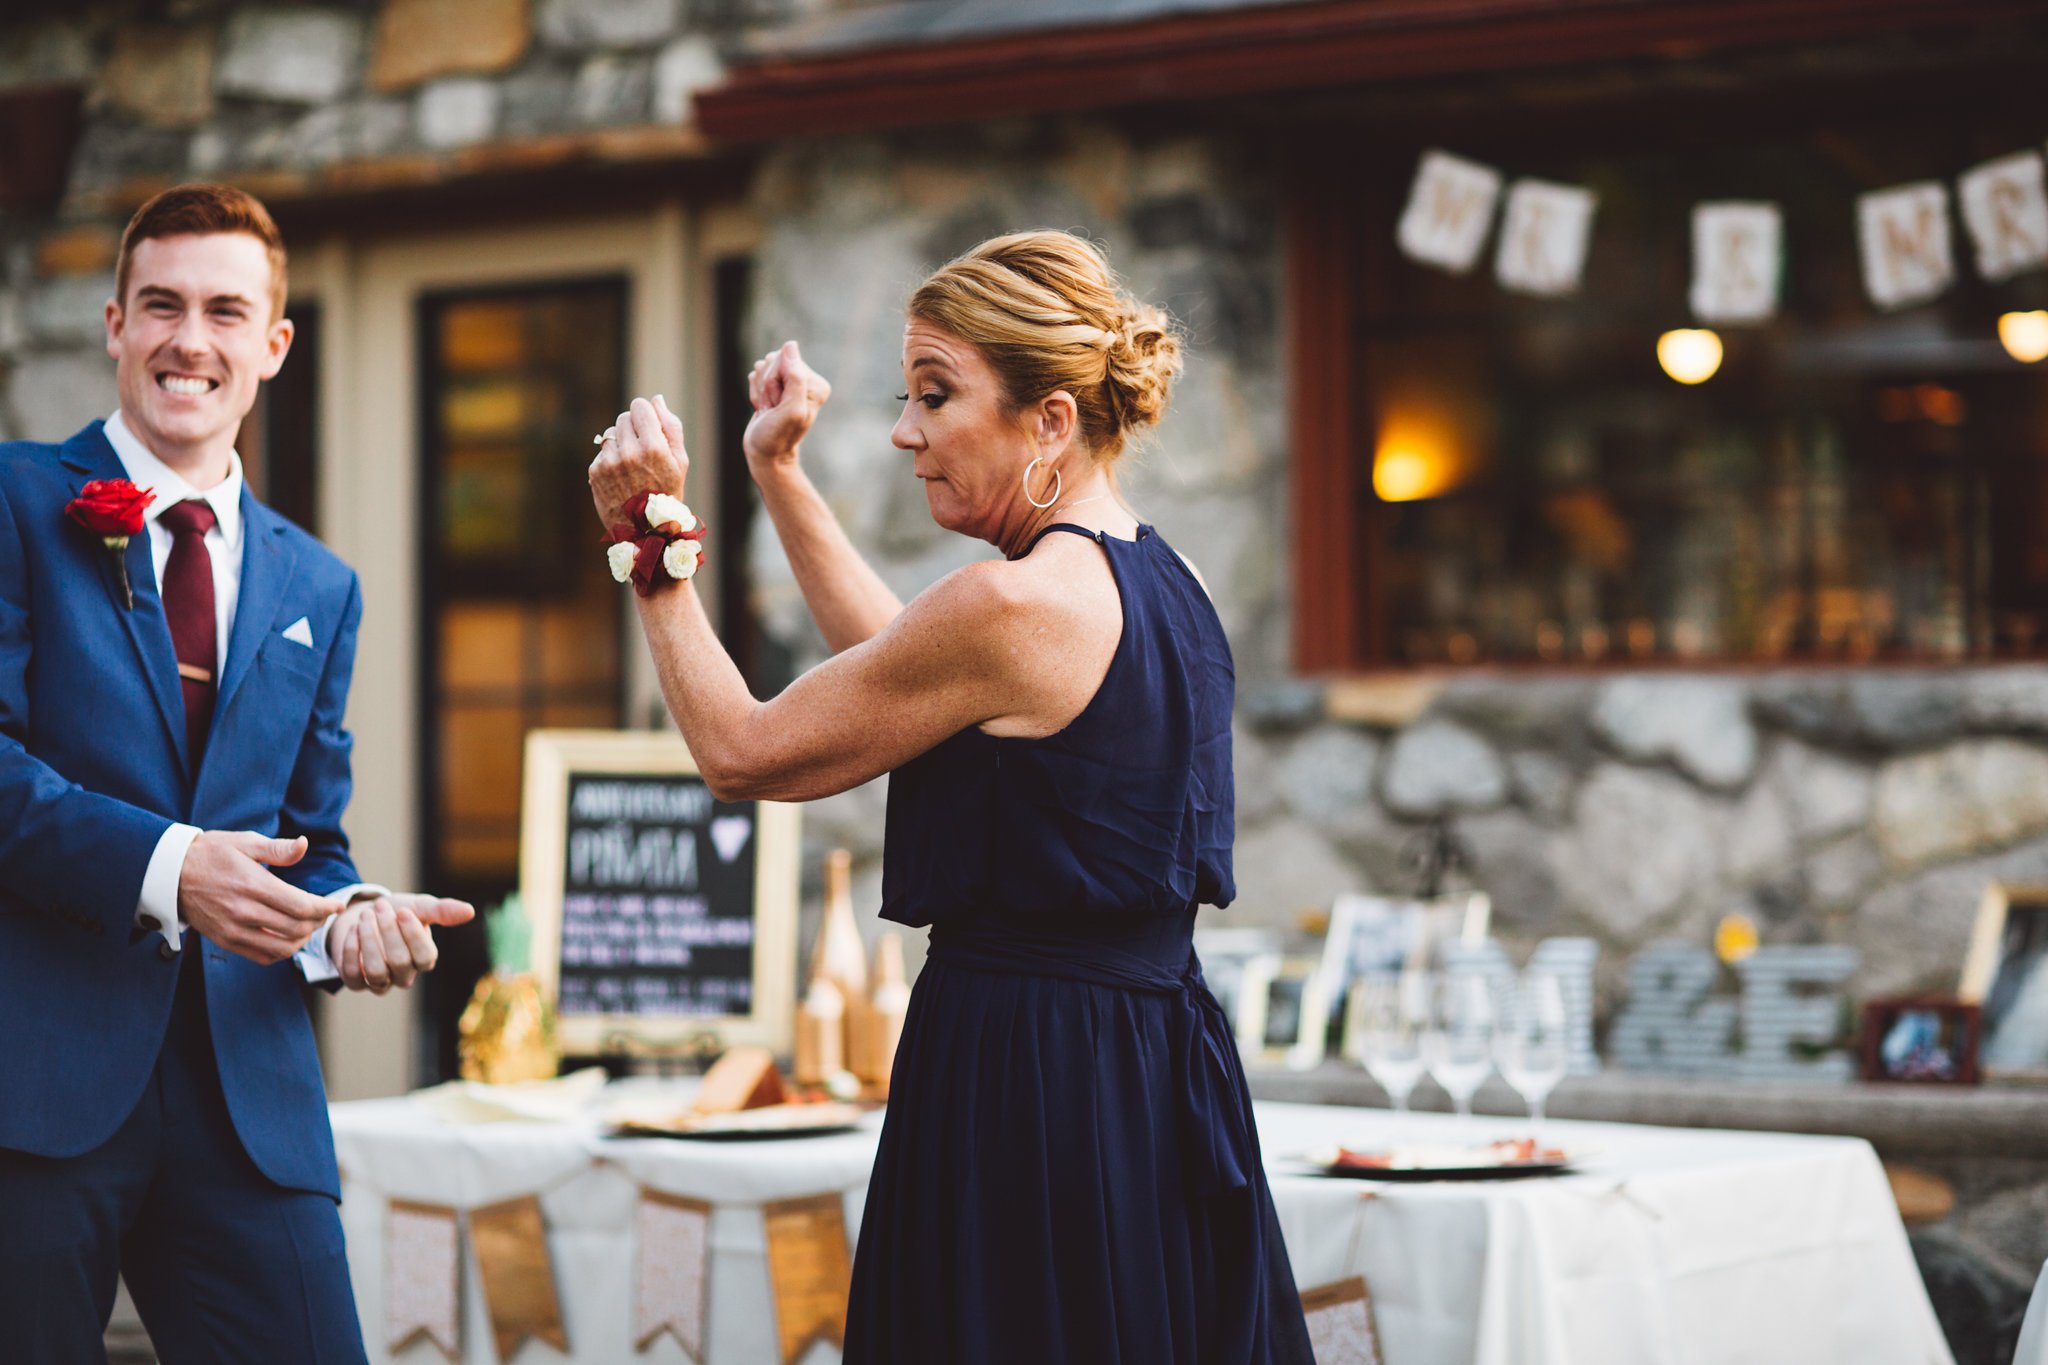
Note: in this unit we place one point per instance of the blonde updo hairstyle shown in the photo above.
(1047, 313)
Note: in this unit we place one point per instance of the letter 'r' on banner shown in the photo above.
(1450, 207)
(1543, 238)
(1737, 261)
(1904, 237)
(2006, 209)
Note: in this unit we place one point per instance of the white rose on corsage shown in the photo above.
(620, 555)
(664, 508)
(681, 558)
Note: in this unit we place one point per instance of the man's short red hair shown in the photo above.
(202, 208)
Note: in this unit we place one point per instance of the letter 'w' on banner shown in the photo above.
(511, 1244)
(674, 1237)
(1450, 207)
(1340, 1326)
(809, 1270)
(422, 1277)
(1904, 236)
(1737, 255)
(1543, 237)
(2006, 210)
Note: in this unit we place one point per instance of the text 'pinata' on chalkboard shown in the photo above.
(658, 898)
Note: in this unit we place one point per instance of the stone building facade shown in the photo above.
(1859, 805)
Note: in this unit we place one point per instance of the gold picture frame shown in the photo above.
(556, 761)
(2005, 972)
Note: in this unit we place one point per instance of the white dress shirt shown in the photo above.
(158, 907)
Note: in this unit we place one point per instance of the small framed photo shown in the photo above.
(1272, 995)
(2006, 975)
(1921, 1040)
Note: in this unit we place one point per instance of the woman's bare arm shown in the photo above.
(847, 598)
(941, 666)
(955, 657)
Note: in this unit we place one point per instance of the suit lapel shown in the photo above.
(267, 564)
(89, 456)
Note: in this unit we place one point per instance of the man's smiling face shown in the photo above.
(196, 334)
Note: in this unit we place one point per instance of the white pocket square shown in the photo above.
(299, 633)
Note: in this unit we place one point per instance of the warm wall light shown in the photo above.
(2024, 335)
(1403, 475)
(1689, 354)
(1416, 458)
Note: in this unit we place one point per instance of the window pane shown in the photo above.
(524, 619)
(1849, 485)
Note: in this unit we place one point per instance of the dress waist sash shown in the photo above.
(1214, 1118)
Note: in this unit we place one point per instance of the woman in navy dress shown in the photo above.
(1068, 1172)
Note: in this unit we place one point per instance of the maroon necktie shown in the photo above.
(188, 606)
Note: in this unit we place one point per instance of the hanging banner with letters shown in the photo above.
(1544, 234)
(1904, 239)
(1450, 208)
(1737, 261)
(2005, 207)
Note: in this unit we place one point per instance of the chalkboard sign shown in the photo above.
(658, 909)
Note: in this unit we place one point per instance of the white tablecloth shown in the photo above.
(2033, 1343)
(1673, 1247)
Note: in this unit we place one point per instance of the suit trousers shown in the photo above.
(224, 1266)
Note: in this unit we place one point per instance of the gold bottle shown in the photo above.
(842, 959)
(886, 1008)
(820, 1032)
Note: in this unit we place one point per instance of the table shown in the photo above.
(1672, 1247)
(2033, 1343)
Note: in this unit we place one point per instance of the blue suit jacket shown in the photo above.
(93, 769)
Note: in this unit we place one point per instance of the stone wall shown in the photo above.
(290, 99)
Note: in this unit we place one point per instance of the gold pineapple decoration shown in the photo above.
(507, 1031)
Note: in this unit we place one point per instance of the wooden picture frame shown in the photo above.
(2006, 976)
(1266, 1035)
(1948, 1055)
(559, 762)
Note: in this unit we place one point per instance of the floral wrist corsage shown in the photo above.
(661, 543)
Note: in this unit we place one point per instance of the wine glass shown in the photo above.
(1531, 1048)
(1395, 1009)
(1458, 1045)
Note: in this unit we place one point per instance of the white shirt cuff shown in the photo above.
(313, 960)
(157, 911)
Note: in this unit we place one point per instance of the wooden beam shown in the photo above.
(1269, 49)
(39, 128)
(1323, 463)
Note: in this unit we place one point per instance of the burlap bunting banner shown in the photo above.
(1340, 1325)
(809, 1270)
(674, 1237)
(518, 1278)
(422, 1276)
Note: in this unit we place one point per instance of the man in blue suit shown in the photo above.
(173, 772)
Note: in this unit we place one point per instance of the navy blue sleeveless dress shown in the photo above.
(1068, 1173)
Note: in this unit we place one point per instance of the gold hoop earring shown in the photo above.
(1057, 484)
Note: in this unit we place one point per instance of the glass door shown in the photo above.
(520, 621)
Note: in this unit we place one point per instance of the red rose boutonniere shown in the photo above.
(112, 510)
